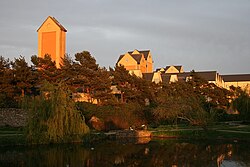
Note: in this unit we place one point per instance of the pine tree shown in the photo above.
(85, 76)
(23, 77)
(7, 89)
(46, 69)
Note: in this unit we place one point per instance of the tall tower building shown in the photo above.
(52, 40)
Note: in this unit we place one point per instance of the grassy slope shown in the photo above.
(11, 136)
(229, 132)
(15, 136)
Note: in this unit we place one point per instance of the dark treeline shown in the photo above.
(195, 102)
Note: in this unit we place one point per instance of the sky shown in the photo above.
(201, 35)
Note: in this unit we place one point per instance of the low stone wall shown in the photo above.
(13, 117)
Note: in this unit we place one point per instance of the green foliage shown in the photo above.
(46, 69)
(133, 88)
(53, 117)
(7, 101)
(7, 88)
(114, 117)
(85, 76)
(242, 104)
(179, 101)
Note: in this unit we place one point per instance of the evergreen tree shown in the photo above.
(7, 89)
(46, 69)
(85, 76)
(133, 88)
(215, 98)
(23, 77)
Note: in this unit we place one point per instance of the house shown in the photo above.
(237, 80)
(52, 40)
(209, 76)
(169, 78)
(171, 69)
(174, 69)
(176, 73)
(153, 77)
(137, 62)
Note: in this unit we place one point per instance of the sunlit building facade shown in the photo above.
(52, 40)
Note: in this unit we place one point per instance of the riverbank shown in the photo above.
(12, 136)
(235, 132)
(16, 136)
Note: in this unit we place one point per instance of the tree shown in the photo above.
(23, 77)
(179, 101)
(46, 69)
(242, 104)
(133, 88)
(101, 86)
(54, 117)
(216, 98)
(7, 90)
(85, 76)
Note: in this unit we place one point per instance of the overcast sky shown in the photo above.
(198, 34)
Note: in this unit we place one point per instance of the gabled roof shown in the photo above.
(55, 21)
(236, 77)
(177, 67)
(148, 76)
(144, 52)
(137, 57)
(121, 56)
(166, 77)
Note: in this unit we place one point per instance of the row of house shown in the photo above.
(52, 41)
(142, 66)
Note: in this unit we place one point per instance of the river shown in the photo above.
(154, 153)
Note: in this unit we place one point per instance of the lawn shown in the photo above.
(11, 136)
(235, 132)
(221, 131)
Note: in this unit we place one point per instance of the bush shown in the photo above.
(114, 117)
(7, 102)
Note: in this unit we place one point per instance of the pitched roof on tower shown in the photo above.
(55, 21)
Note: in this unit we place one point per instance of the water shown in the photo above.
(156, 153)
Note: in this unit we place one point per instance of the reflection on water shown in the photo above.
(160, 153)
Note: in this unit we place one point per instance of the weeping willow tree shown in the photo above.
(53, 117)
